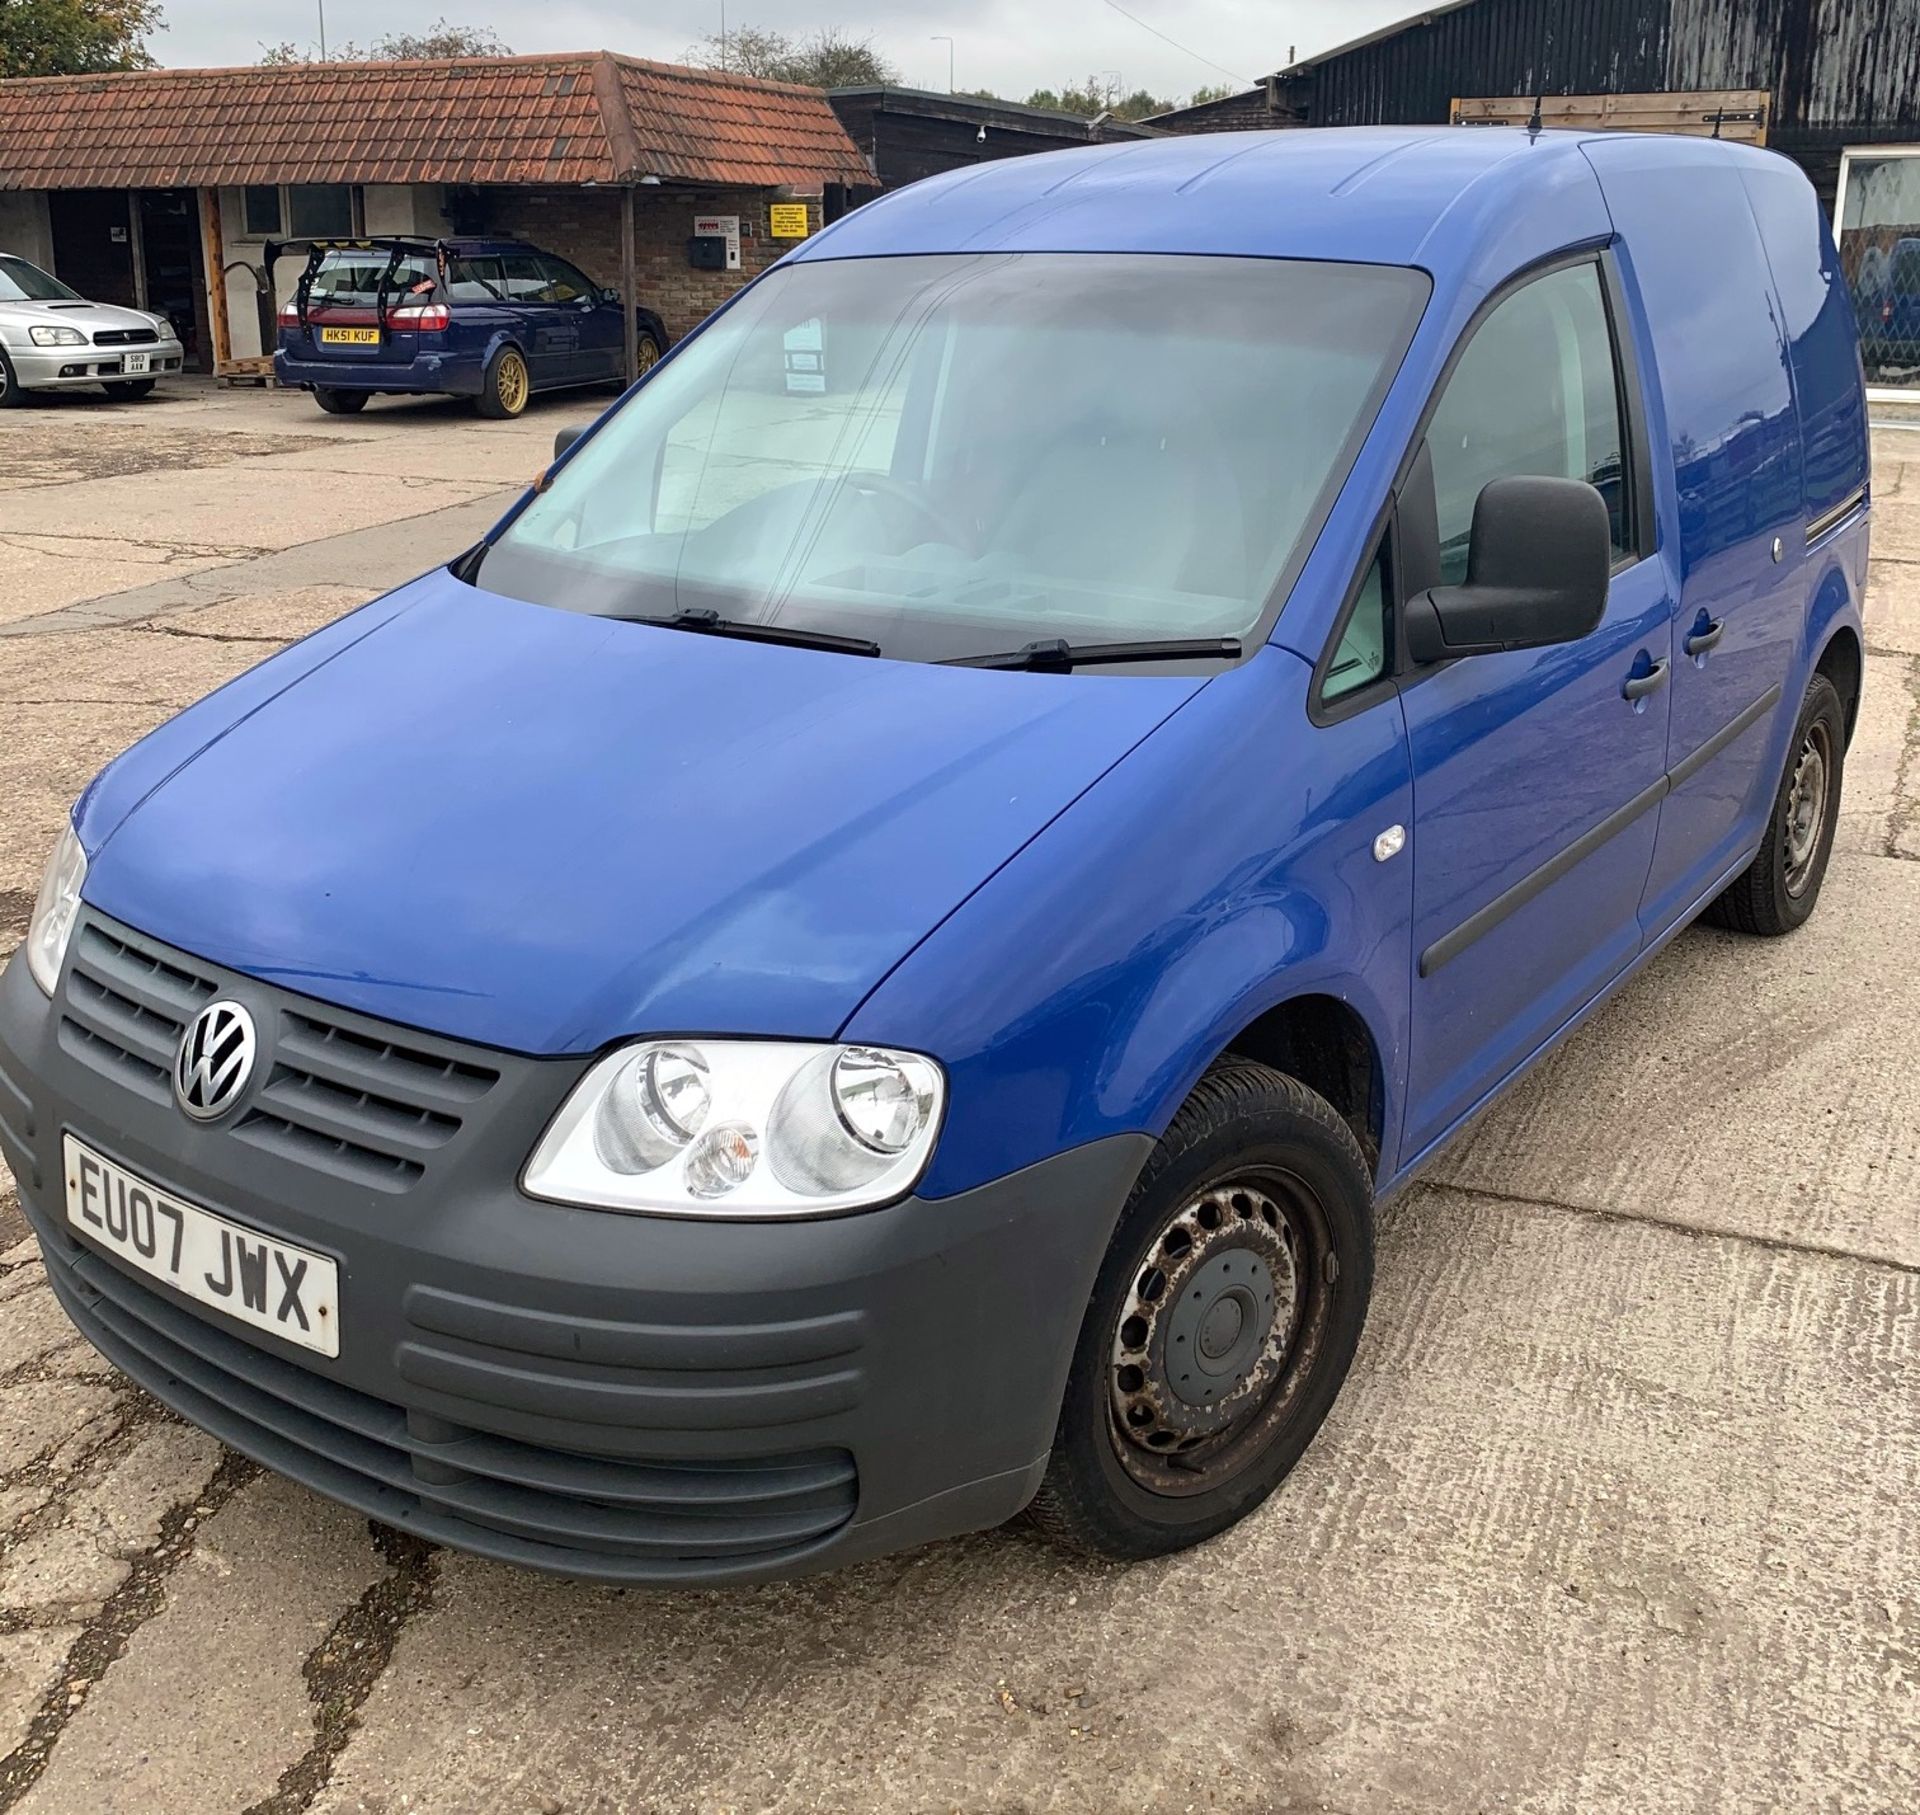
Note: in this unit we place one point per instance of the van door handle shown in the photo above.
(1706, 635)
(1638, 686)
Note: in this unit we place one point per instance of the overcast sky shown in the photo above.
(1006, 45)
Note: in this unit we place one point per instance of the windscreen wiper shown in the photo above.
(711, 623)
(1060, 657)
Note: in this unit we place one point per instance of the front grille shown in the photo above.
(555, 1509)
(125, 1008)
(346, 1097)
(372, 1110)
(125, 337)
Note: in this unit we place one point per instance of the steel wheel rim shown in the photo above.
(513, 383)
(1806, 806)
(1257, 1242)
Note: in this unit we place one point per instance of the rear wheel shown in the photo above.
(340, 403)
(505, 388)
(11, 395)
(1776, 892)
(647, 351)
(1223, 1322)
(128, 390)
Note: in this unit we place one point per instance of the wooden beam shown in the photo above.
(213, 253)
(629, 285)
(1738, 114)
(136, 239)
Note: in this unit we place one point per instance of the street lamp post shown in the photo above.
(941, 38)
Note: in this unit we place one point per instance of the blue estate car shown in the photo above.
(492, 319)
(861, 963)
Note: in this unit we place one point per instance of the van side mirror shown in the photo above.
(1538, 565)
(566, 437)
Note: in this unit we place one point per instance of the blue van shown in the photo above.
(860, 965)
(496, 320)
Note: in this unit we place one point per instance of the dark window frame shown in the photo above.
(258, 192)
(1409, 519)
(356, 211)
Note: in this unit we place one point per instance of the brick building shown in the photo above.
(162, 188)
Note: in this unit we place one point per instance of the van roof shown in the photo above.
(1373, 195)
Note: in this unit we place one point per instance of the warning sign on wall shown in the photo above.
(788, 220)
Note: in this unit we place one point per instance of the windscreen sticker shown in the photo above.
(806, 359)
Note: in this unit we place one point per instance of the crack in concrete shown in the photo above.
(103, 1639)
(1905, 812)
(1778, 1244)
(131, 1415)
(208, 636)
(37, 542)
(341, 1671)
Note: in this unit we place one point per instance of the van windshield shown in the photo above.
(950, 455)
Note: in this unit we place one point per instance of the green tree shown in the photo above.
(1093, 97)
(75, 37)
(827, 59)
(1219, 91)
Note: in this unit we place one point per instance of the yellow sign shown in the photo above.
(788, 220)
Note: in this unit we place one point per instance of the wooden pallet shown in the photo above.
(244, 371)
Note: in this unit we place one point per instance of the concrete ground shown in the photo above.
(1620, 1510)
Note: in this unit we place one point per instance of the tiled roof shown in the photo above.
(590, 117)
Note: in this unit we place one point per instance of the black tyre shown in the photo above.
(128, 390)
(1223, 1322)
(1776, 892)
(12, 397)
(506, 387)
(340, 403)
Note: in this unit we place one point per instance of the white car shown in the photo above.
(52, 338)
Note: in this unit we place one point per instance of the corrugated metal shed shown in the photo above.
(1840, 71)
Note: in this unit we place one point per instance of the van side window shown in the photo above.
(1534, 393)
(1362, 658)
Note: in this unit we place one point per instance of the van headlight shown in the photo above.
(55, 910)
(742, 1128)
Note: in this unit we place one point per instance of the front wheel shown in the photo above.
(1223, 1322)
(505, 388)
(1776, 892)
(12, 397)
(128, 390)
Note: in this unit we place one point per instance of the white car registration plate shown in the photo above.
(269, 1284)
(135, 362)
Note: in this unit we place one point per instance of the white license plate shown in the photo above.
(135, 362)
(249, 1276)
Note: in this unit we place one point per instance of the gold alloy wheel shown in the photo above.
(510, 383)
(646, 355)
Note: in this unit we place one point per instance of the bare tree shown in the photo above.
(828, 58)
(441, 42)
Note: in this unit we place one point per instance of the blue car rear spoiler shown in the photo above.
(396, 247)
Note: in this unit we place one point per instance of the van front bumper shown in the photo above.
(618, 1398)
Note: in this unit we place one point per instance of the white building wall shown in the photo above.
(26, 228)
